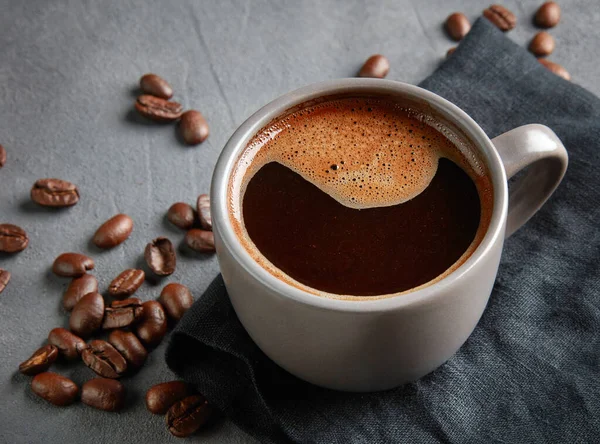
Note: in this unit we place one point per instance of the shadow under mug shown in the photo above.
(377, 344)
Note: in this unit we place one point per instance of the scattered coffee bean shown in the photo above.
(54, 388)
(160, 256)
(69, 345)
(12, 238)
(376, 66)
(557, 69)
(72, 265)
(104, 359)
(160, 397)
(176, 299)
(156, 86)
(193, 127)
(54, 193)
(450, 51)
(126, 283)
(130, 347)
(548, 15)
(457, 26)
(4, 278)
(2, 156)
(103, 394)
(153, 325)
(87, 315)
(200, 240)
(114, 231)
(77, 289)
(185, 417)
(157, 109)
(542, 44)
(181, 215)
(504, 19)
(40, 361)
(122, 313)
(203, 209)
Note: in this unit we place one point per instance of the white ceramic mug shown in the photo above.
(370, 345)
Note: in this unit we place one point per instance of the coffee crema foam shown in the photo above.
(364, 153)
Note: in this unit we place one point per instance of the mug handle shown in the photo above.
(540, 147)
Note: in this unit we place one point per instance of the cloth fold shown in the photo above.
(530, 372)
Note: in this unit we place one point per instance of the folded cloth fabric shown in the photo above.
(531, 370)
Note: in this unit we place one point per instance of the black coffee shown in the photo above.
(356, 197)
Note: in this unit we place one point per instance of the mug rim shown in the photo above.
(259, 119)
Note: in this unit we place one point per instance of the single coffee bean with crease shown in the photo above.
(4, 279)
(104, 359)
(156, 86)
(185, 417)
(176, 299)
(40, 361)
(122, 313)
(130, 347)
(160, 397)
(181, 215)
(200, 240)
(114, 231)
(193, 127)
(376, 66)
(157, 109)
(160, 256)
(542, 44)
(2, 156)
(103, 394)
(12, 238)
(203, 210)
(54, 193)
(153, 325)
(457, 26)
(77, 289)
(87, 315)
(555, 68)
(54, 388)
(126, 283)
(69, 345)
(72, 265)
(548, 15)
(503, 18)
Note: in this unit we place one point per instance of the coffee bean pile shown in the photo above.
(155, 105)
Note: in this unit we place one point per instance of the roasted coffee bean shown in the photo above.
(450, 51)
(153, 325)
(72, 265)
(501, 17)
(186, 417)
(542, 44)
(130, 347)
(87, 315)
(203, 209)
(40, 361)
(160, 256)
(548, 15)
(126, 283)
(114, 231)
(54, 193)
(376, 66)
(69, 345)
(193, 127)
(103, 394)
(181, 215)
(104, 359)
(122, 313)
(157, 109)
(160, 397)
(77, 289)
(54, 388)
(457, 26)
(4, 278)
(2, 156)
(156, 86)
(557, 69)
(176, 299)
(200, 240)
(12, 238)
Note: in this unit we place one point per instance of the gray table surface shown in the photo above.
(68, 74)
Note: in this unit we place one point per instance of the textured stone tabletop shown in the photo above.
(68, 75)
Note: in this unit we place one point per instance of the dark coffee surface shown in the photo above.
(330, 247)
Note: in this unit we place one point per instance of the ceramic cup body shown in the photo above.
(371, 345)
